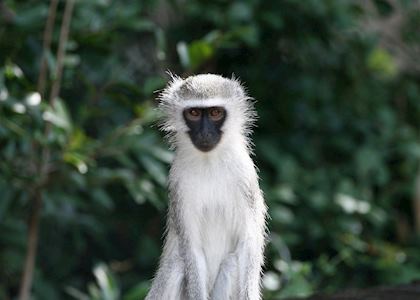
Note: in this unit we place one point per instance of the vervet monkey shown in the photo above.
(216, 222)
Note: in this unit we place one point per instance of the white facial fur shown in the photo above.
(217, 91)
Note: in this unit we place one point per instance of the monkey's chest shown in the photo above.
(216, 216)
(219, 218)
(219, 228)
(219, 234)
(219, 224)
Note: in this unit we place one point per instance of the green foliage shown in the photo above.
(337, 142)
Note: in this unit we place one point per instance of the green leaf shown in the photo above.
(58, 115)
(108, 289)
(195, 54)
(137, 292)
(154, 168)
(381, 62)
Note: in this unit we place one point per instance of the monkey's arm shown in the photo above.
(224, 286)
(239, 275)
(195, 269)
(251, 256)
(195, 273)
(167, 283)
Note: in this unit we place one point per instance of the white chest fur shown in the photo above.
(214, 209)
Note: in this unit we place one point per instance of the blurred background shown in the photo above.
(83, 167)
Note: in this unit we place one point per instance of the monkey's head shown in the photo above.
(205, 111)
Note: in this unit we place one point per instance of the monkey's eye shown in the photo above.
(216, 113)
(193, 114)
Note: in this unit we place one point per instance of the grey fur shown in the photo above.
(200, 87)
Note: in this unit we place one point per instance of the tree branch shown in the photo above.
(33, 226)
(64, 34)
(416, 203)
(389, 30)
(46, 47)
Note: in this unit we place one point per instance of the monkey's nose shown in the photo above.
(206, 136)
(205, 142)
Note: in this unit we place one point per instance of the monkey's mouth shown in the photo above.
(205, 147)
(205, 144)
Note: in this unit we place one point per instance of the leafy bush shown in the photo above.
(337, 143)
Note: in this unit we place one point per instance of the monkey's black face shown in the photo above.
(205, 125)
